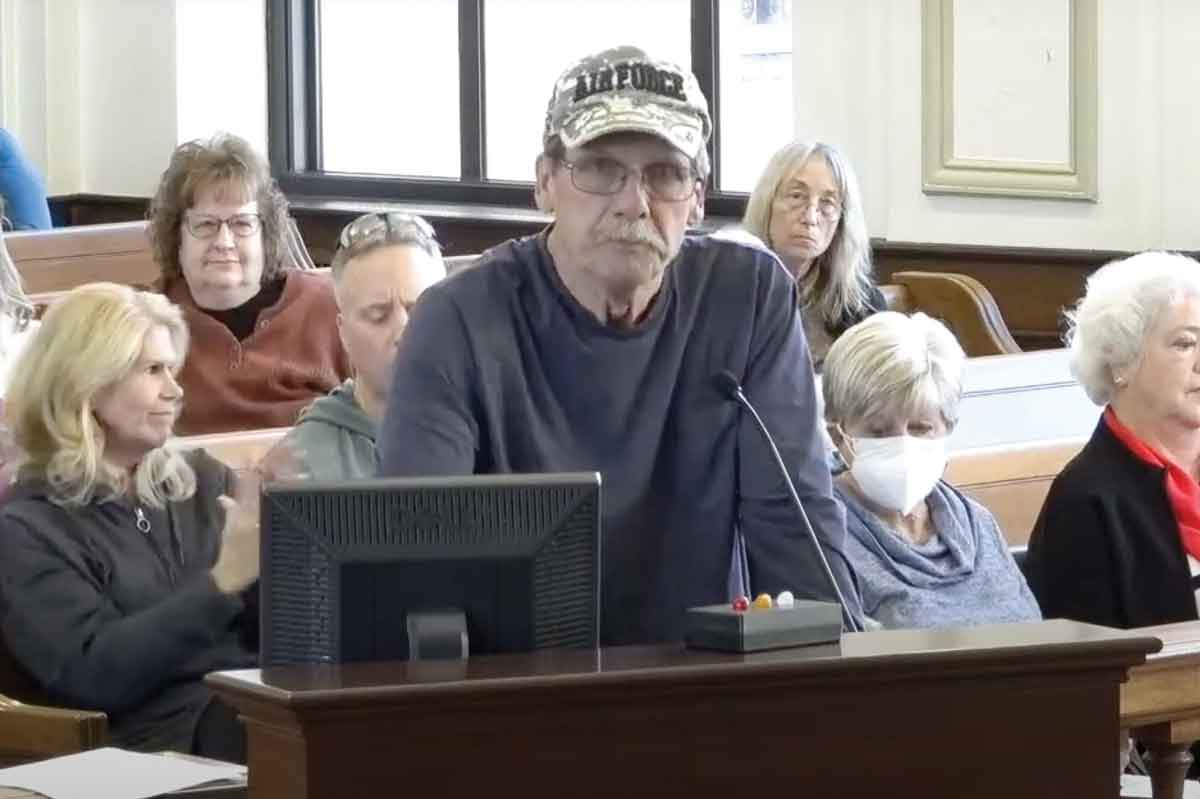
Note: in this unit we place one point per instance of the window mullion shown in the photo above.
(472, 120)
(706, 63)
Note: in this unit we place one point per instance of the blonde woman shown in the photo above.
(924, 554)
(124, 564)
(806, 207)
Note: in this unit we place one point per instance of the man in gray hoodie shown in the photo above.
(383, 263)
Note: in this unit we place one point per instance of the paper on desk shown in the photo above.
(111, 773)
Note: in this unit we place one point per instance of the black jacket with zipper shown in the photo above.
(108, 616)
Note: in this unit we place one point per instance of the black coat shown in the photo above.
(106, 617)
(875, 303)
(1106, 547)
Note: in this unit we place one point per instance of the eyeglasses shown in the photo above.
(798, 201)
(393, 227)
(204, 226)
(606, 176)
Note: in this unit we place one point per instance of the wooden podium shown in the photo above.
(1021, 710)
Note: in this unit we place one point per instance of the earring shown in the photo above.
(1118, 380)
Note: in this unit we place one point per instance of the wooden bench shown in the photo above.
(62, 258)
(31, 729)
(54, 261)
(1011, 481)
(961, 302)
(239, 450)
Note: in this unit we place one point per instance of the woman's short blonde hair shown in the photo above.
(88, 341)
(839, 282)
(1107, 329)
(891, 365)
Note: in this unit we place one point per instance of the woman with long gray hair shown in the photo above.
(807, 208)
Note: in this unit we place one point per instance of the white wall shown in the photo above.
(1149, 76)
(127, 93)
(90, 87)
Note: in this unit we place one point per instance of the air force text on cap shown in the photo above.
(637, 76)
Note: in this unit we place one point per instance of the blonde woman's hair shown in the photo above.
(891, 365)
(88, 341)
(838, 284)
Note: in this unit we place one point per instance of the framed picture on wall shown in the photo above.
(1010, 98)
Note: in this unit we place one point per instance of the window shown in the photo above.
(436, 100)
(756, 87)
(226, 93)
(518, 86)
(389, 87)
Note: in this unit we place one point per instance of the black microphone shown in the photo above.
(730, 387)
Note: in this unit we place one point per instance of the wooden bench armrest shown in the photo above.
(30, 732)
(965, 305)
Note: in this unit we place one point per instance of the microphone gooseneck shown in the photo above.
(730, 387)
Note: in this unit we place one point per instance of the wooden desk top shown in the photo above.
(1166, 688)
(893, 654)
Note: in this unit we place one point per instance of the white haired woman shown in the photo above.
(124, 564)
(807, 208)
(924, 554)
(1118, 539)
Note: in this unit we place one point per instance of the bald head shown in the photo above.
(375, 293)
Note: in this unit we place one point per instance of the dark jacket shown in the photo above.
(106, 617)
(875, 303)
(1106, 546)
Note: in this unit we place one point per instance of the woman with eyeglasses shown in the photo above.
(264, 332)
(807, 208)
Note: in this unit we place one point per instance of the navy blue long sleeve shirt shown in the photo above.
(502, 370)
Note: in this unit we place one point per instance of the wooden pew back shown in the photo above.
(239, 450)
(62, 258)
(1012, 480)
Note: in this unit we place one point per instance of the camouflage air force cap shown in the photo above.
(626, 90)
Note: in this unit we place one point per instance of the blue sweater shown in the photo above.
(22, 188)
(963, 575)
(502, 370)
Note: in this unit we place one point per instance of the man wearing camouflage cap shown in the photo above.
(592, 346)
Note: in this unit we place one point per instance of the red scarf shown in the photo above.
(1183, 492)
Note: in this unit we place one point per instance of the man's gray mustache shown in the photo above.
(636, 237)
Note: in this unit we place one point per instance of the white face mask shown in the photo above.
(899, 471)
